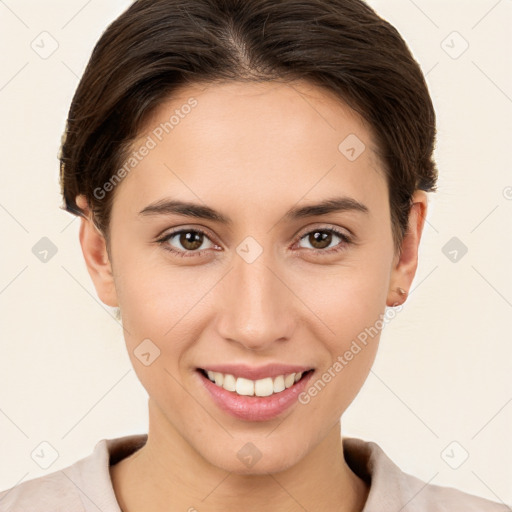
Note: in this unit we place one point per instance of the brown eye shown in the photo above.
(186, 241)
(324, 240)
(320, 239)
(191, 240)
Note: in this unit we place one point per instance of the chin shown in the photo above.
(256, 457)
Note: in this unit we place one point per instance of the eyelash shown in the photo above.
(346, 240)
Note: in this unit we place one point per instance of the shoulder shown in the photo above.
(437, 498)
(81, 487)
(392, 489)
(54, 491)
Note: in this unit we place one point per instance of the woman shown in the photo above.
(252, 182)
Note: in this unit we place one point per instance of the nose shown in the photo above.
(257, 308)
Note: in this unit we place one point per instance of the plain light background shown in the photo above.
(441, 387)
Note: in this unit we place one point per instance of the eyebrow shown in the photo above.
(188, 209)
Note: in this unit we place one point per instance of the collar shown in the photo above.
(391, 489)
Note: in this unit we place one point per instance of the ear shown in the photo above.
(94, 249)
(405, 263)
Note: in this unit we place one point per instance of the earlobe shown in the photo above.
(404, 270)
(96, 256)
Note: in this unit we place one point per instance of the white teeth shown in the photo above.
(244, 386)
(279, 384)
(229, 382)
(247, 387)
(219, 378)
(264, 387)
(289, 380)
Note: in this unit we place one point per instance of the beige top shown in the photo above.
(85, 486)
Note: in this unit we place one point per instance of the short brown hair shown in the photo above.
(157, 45)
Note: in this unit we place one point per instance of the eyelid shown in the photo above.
(346, 239)
(325, 227)
(166, 236)
(173, 231)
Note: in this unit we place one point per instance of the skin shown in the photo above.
(242, 147)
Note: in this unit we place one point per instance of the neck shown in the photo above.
(168, 475)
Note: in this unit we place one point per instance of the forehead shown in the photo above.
(265, 142)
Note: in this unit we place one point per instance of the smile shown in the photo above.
(275, 389)
(262, 387)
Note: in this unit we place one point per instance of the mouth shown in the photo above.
(254, 400)
(264, 387)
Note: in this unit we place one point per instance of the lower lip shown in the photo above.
(254, 408)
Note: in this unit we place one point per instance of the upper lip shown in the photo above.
(256, 372)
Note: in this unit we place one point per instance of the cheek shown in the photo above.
(354, 316)
(159, 307)
(152, 293)
(351, 304)
(164, 303)
(348, 298)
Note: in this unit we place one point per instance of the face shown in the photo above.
(247, 275)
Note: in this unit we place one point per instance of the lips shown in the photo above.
(256, 373)
(254, 408)
(261, 387)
